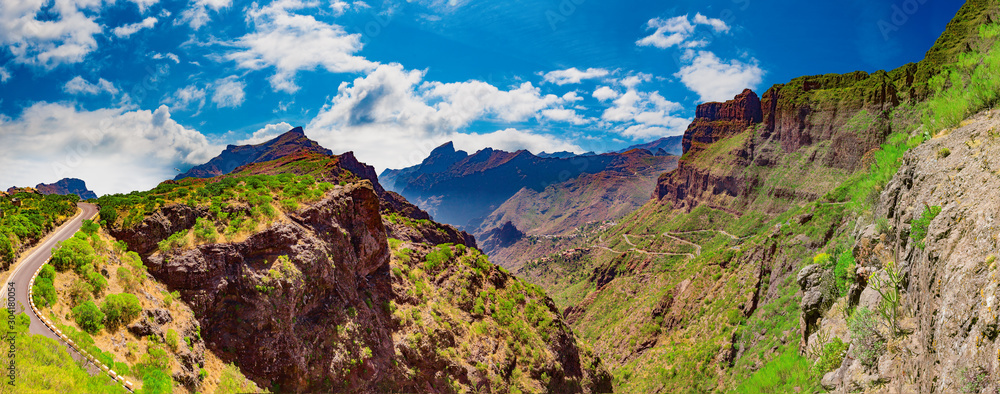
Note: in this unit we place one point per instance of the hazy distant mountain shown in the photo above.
(462, 189)
(669, 145)
(67, 186)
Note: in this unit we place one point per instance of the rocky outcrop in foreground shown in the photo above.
(306, 305)
(947, 338)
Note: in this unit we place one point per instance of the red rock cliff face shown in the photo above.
(715, 121)
(836, 119)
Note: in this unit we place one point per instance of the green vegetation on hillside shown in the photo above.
(237, 203)
(25, 222)
(44, 366)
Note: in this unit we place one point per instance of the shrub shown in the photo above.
(822, 259)
(289, 205)
(171, 339)
(97, 281)
(918, 228)
(437, 258)
(80, 291)
(44, 292)
(48, 272)
(120, 309)
(156, 381)
(170, 297)
(869, 343)
(89, 317)
(175, 241)
(204, 230)
(844, 271)
(125, 278)
(6, 249)
(89, 227)
(73, 253)
(831, 356)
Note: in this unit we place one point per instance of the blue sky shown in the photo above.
(120, 93)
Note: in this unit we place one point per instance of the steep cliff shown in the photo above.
(797, 142)
(938, 230)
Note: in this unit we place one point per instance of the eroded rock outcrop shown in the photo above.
(809, 125)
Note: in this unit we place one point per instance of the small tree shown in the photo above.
(120, 309)
(89, 317)
(89, 226)
(73, 253)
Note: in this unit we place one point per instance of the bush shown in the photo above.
(918, 228)
(89, 317)
(832, 356)
(120, 309)
(96, 281)
(156, 381)
(171, 339)
(289, 205)
(170, 297)
(175, 241)
(73, 253)
(822, 259)
(48, 272)
(80, 291)
(89, 227)
(844, 271)
(869, 343)
(7, 254)
(125, 278)
(204, 231)
(437, 258)
(43, 292)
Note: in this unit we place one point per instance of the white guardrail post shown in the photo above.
(52, 327)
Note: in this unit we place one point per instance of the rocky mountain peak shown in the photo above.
(291, 142)
(745, 107)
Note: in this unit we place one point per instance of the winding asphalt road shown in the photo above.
(22, 274)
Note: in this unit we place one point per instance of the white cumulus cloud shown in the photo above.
(392, 118)
(115, 150)
(196, 15)
(183, 97)
(78, 85)
(716, 80)
(573, 75)
(228, 92)
(291, 43)
(130, 29)
(678, 31)
(49, 33)
(266, 133)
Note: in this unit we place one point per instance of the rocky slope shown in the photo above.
(473, 186)
(234, 156)
(948, 328)
(66, 186)
(346, 293)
